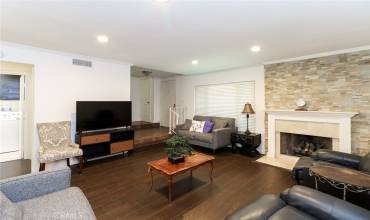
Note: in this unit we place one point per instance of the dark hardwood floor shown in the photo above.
(119, 188)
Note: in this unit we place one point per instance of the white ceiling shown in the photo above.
(168, 36)
(137, 71)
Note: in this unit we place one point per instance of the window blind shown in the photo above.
(226, 100)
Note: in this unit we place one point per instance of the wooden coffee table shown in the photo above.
(341, 178)
(164, 167)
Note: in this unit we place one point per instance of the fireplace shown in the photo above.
(331, 130)
(302, 145)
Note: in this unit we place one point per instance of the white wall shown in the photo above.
(58, 85)
(185, 90)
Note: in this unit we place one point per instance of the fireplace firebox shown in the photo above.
(302, 145)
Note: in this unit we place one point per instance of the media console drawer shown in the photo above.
(95, 139)
(121, 146)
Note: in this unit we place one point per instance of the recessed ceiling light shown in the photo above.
(194, 62)
(102, 38)
(255, 48)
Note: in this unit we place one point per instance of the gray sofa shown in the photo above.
(220, 136)
(44, 195)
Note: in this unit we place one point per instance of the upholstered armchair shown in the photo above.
(56, 144)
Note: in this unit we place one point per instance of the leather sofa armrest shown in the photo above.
(344, 159)
(300, 170)
(261, 209)
(321, 205)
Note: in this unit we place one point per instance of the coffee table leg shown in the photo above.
(211, 171)
(191, 173)
(169, 189)
(150, 173)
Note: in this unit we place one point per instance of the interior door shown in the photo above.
(145, 99)
(168, 98)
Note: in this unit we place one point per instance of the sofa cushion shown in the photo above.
(230, 121)
(289, 212)
(185, 133)
(70, 203)
(58, 153)
(365, 163)
(219, 123)
(203, 137)
(201, 118)
(9, 210)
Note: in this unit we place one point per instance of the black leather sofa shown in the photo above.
(333, 158)
(298, 203)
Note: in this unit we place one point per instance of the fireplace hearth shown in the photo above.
(302, 145)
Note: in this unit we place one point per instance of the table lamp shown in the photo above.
(249, 110)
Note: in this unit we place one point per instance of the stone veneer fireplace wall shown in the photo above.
(332, 83)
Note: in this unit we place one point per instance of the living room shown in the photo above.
(172, 109)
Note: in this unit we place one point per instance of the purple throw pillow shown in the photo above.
(208, 127)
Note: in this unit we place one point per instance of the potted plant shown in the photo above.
(177, 148)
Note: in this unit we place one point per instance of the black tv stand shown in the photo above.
(107, 142)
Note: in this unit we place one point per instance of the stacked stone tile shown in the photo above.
(332, 83)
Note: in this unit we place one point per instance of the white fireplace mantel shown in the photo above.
(325, 114)
(337, 123)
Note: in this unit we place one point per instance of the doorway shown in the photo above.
(16, 111)
(141, 97)
(168, 99)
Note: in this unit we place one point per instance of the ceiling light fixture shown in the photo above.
(161, 1)
(194, 62)
(256, 48)
(102, 38)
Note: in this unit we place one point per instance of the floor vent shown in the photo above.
(82, 62)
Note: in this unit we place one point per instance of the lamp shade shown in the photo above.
(248, 109)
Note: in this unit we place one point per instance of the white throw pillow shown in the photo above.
(197, 126)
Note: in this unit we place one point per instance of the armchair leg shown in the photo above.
(68, 164)
(42, 167)
(81, 164)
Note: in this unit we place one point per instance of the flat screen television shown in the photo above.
(95, 115)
